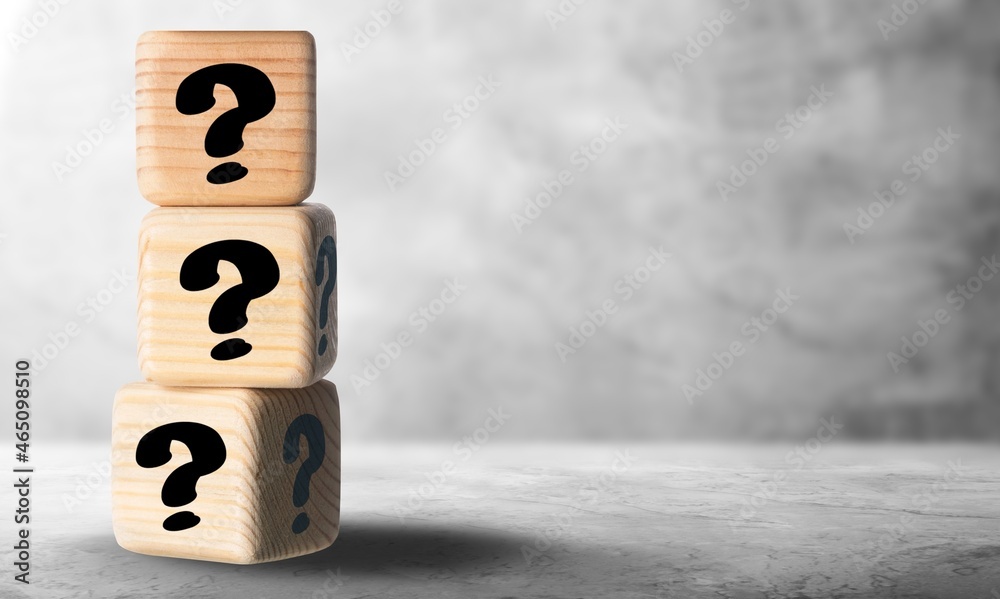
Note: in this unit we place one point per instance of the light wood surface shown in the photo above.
(279, 149)
(175, 338)
(246, 506)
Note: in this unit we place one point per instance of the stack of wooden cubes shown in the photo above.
(230, 451)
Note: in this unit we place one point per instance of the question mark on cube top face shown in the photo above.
(311, 428)
(208, 454)
(326, 260)
(260, 274)
(255, 97)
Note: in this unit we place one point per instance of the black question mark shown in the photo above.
(208, 454)
(312, 428)
(255, 99)
(326, 260)
(260, 275)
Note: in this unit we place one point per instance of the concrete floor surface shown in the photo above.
(630, 521)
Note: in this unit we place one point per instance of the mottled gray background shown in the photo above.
(599, 491)
(64, 236)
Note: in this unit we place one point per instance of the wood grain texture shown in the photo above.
(280, 148)
(245, 506)
(175, 341)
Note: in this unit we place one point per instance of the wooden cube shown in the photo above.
(227, 475)
(226, 118)
(238, 297)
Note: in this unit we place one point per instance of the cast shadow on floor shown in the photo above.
(424, 550)
(371, 547)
